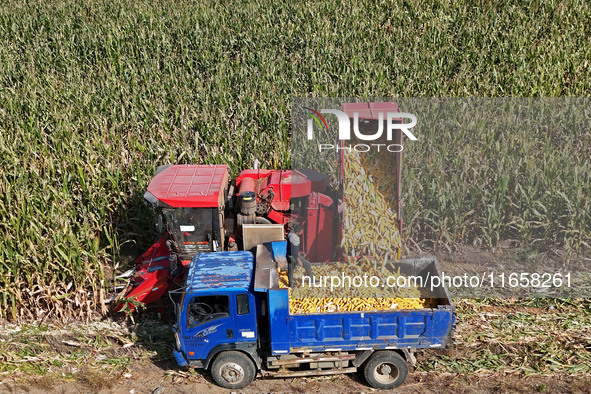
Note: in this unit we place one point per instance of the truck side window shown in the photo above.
(242, 305)
(207, 308)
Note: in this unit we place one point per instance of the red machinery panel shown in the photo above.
(278, 186)
(318, 233)
(285, 184)
(370, 110)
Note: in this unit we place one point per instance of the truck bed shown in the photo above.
(345, 331)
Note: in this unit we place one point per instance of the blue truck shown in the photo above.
(233, 319)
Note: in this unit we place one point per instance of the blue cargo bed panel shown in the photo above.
(350, 331)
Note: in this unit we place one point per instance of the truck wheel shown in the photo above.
(233, 370)
(385, 370)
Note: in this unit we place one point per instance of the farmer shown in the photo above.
(294, 255)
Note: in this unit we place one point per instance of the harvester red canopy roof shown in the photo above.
(188, 186)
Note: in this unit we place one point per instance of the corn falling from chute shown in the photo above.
(370, 226)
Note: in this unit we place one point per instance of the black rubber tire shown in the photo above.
(232, 370)
(385, 370)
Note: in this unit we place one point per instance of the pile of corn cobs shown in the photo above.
(310, 299)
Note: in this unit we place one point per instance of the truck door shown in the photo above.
(245, 321)
(209, 322)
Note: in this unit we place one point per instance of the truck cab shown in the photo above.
(217, 313)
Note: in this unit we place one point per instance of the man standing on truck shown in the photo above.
(294, 255)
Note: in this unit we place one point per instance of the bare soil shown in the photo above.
(147, 378)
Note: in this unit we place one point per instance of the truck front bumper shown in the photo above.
(183, 362)
(180, 359)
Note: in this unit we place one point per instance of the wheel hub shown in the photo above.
(232, 373)
(386, 373)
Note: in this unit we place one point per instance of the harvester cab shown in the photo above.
(190, 200)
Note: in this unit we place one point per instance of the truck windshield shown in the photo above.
(207, 308)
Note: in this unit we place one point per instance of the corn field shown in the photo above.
(95, 95)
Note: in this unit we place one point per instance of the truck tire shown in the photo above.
(232, 370)
(385, 370)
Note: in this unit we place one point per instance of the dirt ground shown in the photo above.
(148, 378)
